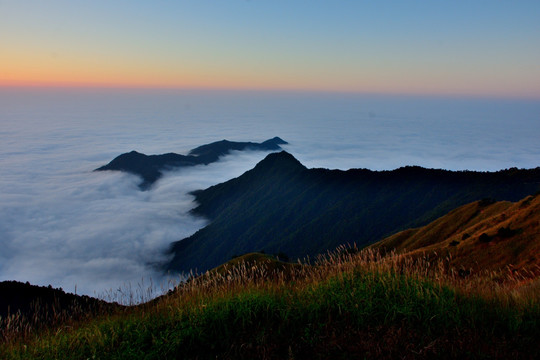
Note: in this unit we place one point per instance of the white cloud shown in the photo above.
(97, 229)
(62, 224)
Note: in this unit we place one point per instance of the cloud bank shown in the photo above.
(64, 225)
(98, 231)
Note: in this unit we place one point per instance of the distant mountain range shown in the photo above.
(150, 167)
(280, 206)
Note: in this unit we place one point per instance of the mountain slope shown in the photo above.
(150, 167)
(281, 206)
(24, 307)
(481, 235)
(347, 307)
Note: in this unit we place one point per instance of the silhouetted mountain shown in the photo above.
(281, 206)
(149, 167)
(211, 152)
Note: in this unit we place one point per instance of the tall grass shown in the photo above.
(345, 303)
(58, 314)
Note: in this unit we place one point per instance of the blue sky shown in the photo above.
(486, 48)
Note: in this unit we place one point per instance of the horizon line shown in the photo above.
(105, 86)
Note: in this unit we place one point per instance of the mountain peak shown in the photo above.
(275, 141)
(279, 161)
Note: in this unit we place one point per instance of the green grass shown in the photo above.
(357, 306)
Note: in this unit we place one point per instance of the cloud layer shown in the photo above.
(65, 225)
(98, 231)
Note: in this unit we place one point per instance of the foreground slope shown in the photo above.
(281, 206)
(483, 235)
(350, 305)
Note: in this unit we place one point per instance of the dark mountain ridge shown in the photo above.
(41, 306)
(281, 206)
(150, 167)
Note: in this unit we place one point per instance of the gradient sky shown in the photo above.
(485, 48)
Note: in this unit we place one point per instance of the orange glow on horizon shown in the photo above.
(21, 69)
(374, 89)
(358, 48)
(70, 77)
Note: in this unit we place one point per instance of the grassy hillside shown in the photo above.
(466, 285)
(483, 235)
(348, 305)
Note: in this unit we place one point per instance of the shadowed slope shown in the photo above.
(25, 307)
(281, 206)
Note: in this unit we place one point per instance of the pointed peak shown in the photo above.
(133, 153)
(280, 161)
(276, 140)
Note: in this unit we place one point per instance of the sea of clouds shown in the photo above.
(96, 232)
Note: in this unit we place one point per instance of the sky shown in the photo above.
(479, 48)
